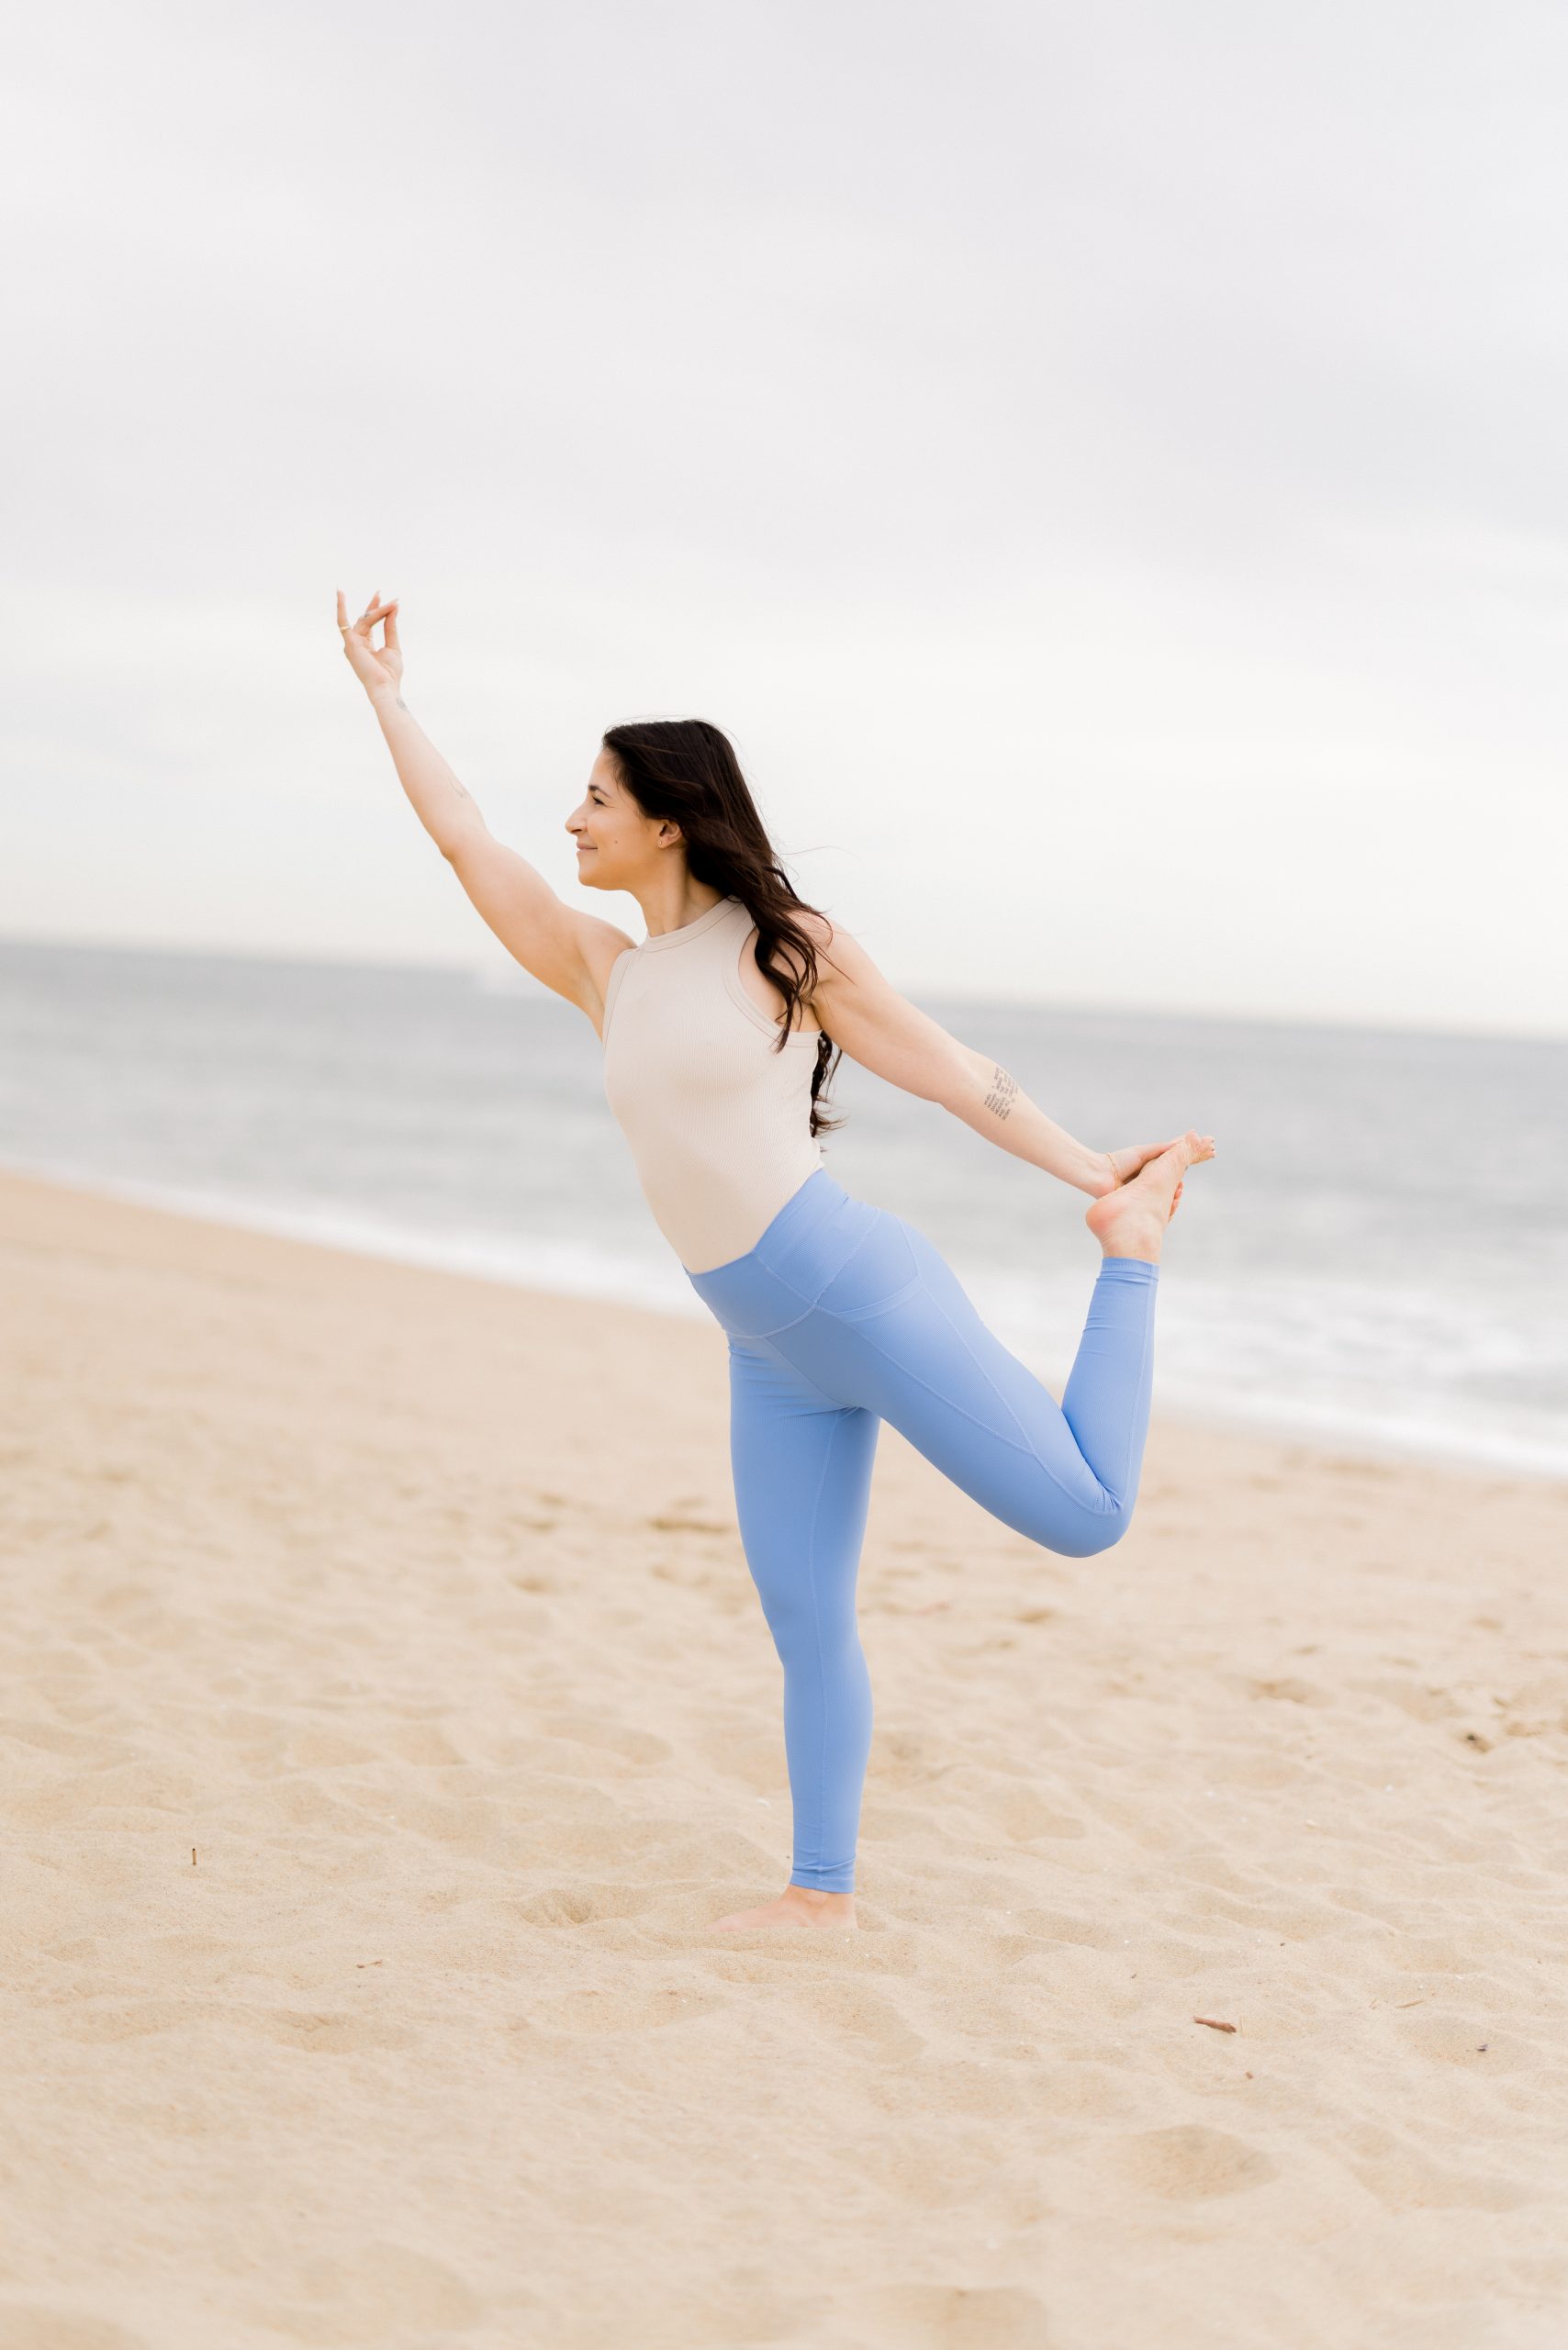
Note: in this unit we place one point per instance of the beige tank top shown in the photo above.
(719, 1120)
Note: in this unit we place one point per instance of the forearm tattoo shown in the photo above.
(1002, 1092)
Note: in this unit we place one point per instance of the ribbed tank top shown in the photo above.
(719, 1120)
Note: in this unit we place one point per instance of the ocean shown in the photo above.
(1377, 1258)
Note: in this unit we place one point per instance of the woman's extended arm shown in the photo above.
(439, 800)
(446, 809)
(877, 1027)
(571, 952)
(978, 1090)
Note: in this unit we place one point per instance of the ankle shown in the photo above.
(1143, 1249)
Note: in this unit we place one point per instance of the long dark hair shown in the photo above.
(687, 771)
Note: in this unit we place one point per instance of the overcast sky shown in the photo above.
(1103, 467)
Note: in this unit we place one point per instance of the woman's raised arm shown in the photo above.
(564, 950)
(439, 800)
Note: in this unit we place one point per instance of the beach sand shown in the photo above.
(387, 1712)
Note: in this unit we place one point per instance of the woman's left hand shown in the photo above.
(1129, 1163)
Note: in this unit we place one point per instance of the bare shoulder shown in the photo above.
(820, 928)
(828, 937)
(841, 959)
(844, 970)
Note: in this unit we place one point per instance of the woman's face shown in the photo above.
(617, 845)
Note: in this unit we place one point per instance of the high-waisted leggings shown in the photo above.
(845, 1316)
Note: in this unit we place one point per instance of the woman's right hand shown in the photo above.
(376, 669)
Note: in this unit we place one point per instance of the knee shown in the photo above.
(789, 1621)
(802, 1627)
(1099, 1530)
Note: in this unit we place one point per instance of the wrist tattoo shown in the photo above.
(1002, 1092)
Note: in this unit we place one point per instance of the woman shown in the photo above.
(718, 1030)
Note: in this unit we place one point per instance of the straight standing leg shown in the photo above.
(802, 1477)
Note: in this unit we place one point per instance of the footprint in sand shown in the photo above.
(591, 2011)
(1191, 2162)
(1289, 1690)
(959, 2317)
(325, 2034)
(383, 2293)
(585, 1904)
(123, 2021)
(30, 2327)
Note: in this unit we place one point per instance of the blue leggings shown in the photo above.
(845, 1316)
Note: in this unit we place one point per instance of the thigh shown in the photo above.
(896, 1332)
(802, 1464)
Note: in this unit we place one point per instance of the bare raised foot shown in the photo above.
(798, 1905)
(1131, 1220)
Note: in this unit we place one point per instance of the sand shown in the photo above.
(388, 1713)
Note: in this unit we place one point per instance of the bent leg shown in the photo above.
(802, 1477)
(896, 1332)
